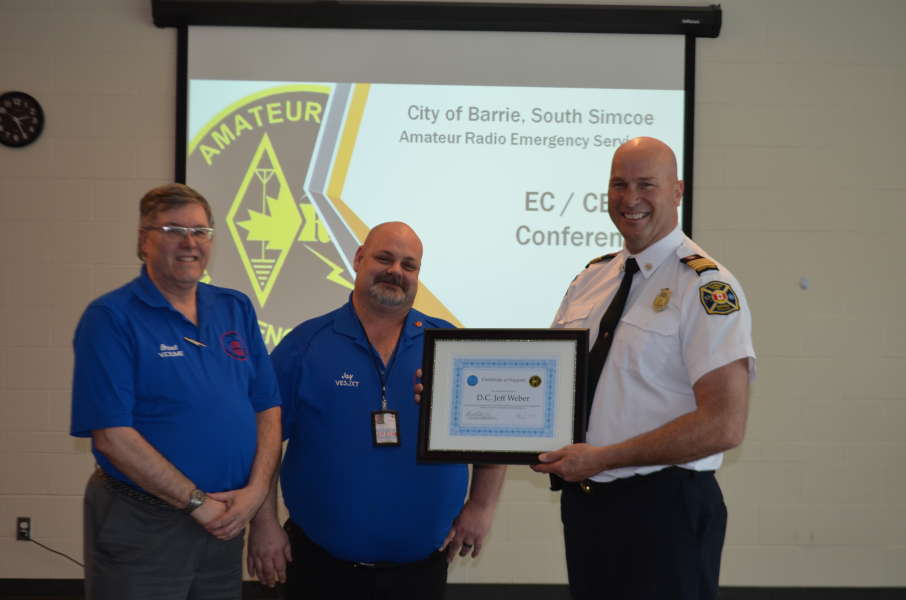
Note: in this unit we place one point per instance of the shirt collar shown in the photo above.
(148, 293)
(654, 255)
(347, 323)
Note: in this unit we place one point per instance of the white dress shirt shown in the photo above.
(657, 355)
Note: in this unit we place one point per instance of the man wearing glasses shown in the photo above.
(173, 384)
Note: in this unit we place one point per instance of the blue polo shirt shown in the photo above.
(359, 502)
(195, 404)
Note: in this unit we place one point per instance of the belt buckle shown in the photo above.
(585, 486)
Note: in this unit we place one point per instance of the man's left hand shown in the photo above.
(242, 504)
(573, 463)
(468, 531)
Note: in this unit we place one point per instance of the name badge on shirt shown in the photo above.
(385, 428)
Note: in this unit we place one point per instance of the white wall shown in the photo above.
(799, 173)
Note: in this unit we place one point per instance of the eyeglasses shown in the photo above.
(175, 232)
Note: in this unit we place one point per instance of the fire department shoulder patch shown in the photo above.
(718, 298)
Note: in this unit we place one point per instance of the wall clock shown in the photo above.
(21, 119)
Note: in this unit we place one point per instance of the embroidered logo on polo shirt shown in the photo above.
(233, 346)
(347, 380)
(169, 351)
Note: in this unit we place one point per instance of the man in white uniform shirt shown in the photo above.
(643, 515)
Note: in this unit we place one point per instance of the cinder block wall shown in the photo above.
(799, 174)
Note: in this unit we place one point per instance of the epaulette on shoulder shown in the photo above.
(699, 263)
(604, 258)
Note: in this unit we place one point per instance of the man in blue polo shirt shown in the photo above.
(366, 520)
(173, 384)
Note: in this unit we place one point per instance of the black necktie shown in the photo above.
(598, 353)
(609, 321)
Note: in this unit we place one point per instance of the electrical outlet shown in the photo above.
(23, 528)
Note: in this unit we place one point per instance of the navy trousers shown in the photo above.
(646, 537)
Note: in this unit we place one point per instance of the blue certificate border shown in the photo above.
(549, 367)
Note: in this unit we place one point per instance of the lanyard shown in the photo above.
(379, 362)
(383, 371)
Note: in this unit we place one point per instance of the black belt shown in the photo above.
(298, 533)
(591, 487)
(124, 489)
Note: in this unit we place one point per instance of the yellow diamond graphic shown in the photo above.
(265, 212)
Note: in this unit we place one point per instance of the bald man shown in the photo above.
(643, 515)
(366, 520)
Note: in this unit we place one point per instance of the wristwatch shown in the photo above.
(196, 499)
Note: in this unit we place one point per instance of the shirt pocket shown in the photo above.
(647, 343)
(576, 315)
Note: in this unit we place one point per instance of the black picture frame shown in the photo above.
(432, 411)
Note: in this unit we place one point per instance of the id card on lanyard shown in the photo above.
(385, 428)
(385, 423)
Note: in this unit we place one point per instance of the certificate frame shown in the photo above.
(501, 396)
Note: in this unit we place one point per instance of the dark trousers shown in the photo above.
(136, 550)
(646, 537)
(315, 575)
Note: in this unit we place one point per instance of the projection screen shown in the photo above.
(494, 146)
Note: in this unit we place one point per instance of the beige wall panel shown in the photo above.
(28, 327)
(40, 368)
(508, 562)
(802, 452)
(40, 282)
(742, 525)
(93, 158)
(852, 565)
(154, 157)
(761, 483)
(22, 560)
(22, 410)
(833, 335)
(760, 83)
(59, 409)
(115, 201)
(529, 522)
(524, 485)
(782, 379)
(51, 442)
(74, 471)
(765, 566)
(770, 125)
(771, 423)
(20, 475)
(33, 163)
(28, 66)
(830, 525)
(44, 200)
(793, 566)
(860, 35)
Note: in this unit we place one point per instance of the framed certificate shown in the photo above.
(501, 396)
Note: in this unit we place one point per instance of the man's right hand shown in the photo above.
(268, 551)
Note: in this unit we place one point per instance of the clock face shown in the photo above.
(21, 119)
